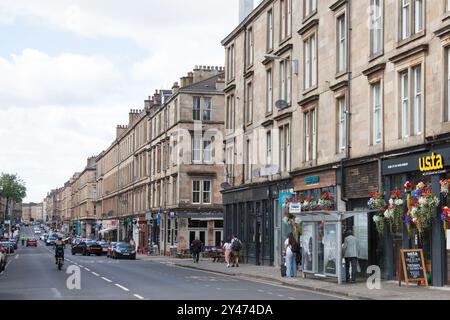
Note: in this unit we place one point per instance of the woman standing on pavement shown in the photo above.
(227, 248)
(291, 247)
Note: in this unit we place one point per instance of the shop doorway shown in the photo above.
(258, 241)
(201, 235)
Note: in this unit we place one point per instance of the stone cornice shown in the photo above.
(311, 24)
(308, 100)
(409, 53)
(373, 69)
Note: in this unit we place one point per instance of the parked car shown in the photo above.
(86, 248)
(105, 246)
(51, 241)
(14, 243)
(3, 258)
(31, 242)
(124, 250)
(111, 247)
(37, 231)
(8, 245)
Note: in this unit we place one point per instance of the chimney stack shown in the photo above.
(188, 80)
(120, 130)
(175, 88)
(245, 8)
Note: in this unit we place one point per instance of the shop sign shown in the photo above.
(312, 180)
(431, 163)
(426, 163)
(295, 207)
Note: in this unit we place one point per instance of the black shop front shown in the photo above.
(428, 165)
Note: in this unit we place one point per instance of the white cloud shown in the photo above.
(58, 109)
(33, 77)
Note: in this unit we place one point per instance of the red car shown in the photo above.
(31, 242)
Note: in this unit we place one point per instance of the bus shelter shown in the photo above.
(321, 242)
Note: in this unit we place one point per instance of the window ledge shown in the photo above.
(309, 90)
(282, 42)
(412, 38)
(309, 16)
(446, 16)
(375, 56)
(341, 74)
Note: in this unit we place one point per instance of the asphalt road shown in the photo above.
(32, 274)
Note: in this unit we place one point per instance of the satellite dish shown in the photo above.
(281, 104)
(225, 185)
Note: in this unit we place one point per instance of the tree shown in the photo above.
(12, 188)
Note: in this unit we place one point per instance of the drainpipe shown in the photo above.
(349, 100)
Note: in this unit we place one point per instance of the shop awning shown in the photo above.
(108, 230)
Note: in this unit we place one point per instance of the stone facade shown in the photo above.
(176, 125)
(83, 193)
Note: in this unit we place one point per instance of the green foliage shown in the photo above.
(12, 187)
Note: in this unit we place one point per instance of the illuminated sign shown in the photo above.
(431, 163)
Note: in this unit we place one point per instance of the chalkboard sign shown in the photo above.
(412, 267)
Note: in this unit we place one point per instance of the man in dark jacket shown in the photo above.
(196, 248)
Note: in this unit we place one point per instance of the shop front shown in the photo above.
(108, 231)
(254, 214)
(416, 175)
(180, 228)
(359, 180)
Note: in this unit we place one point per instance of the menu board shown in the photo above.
(412, 266)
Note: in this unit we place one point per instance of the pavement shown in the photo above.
(389, 289)
(32, 274)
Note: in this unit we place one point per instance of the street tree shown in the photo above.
(12, 188)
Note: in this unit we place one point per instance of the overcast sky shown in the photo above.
(70, 70)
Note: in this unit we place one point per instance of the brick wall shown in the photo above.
(360, 180)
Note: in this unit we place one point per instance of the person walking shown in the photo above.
(350, 249)
(196, 248)
(292, 248)
(227, 248)
(236, 247)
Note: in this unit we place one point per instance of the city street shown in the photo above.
(32, 274)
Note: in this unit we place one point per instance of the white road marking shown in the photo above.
(269, 293)
(121, 287)
(106, 279)
(280, 295)
(95, 274)
(139, 297)
(87, 269)
(290, 298)
(80, 266)
(17, 256)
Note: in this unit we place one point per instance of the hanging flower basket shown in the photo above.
(445, 217)
(395, 208)
(376, 201)
(379, 223)
(428, 204)
(409, 187)
(444, 186)
(325, 202)
(308, 203)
